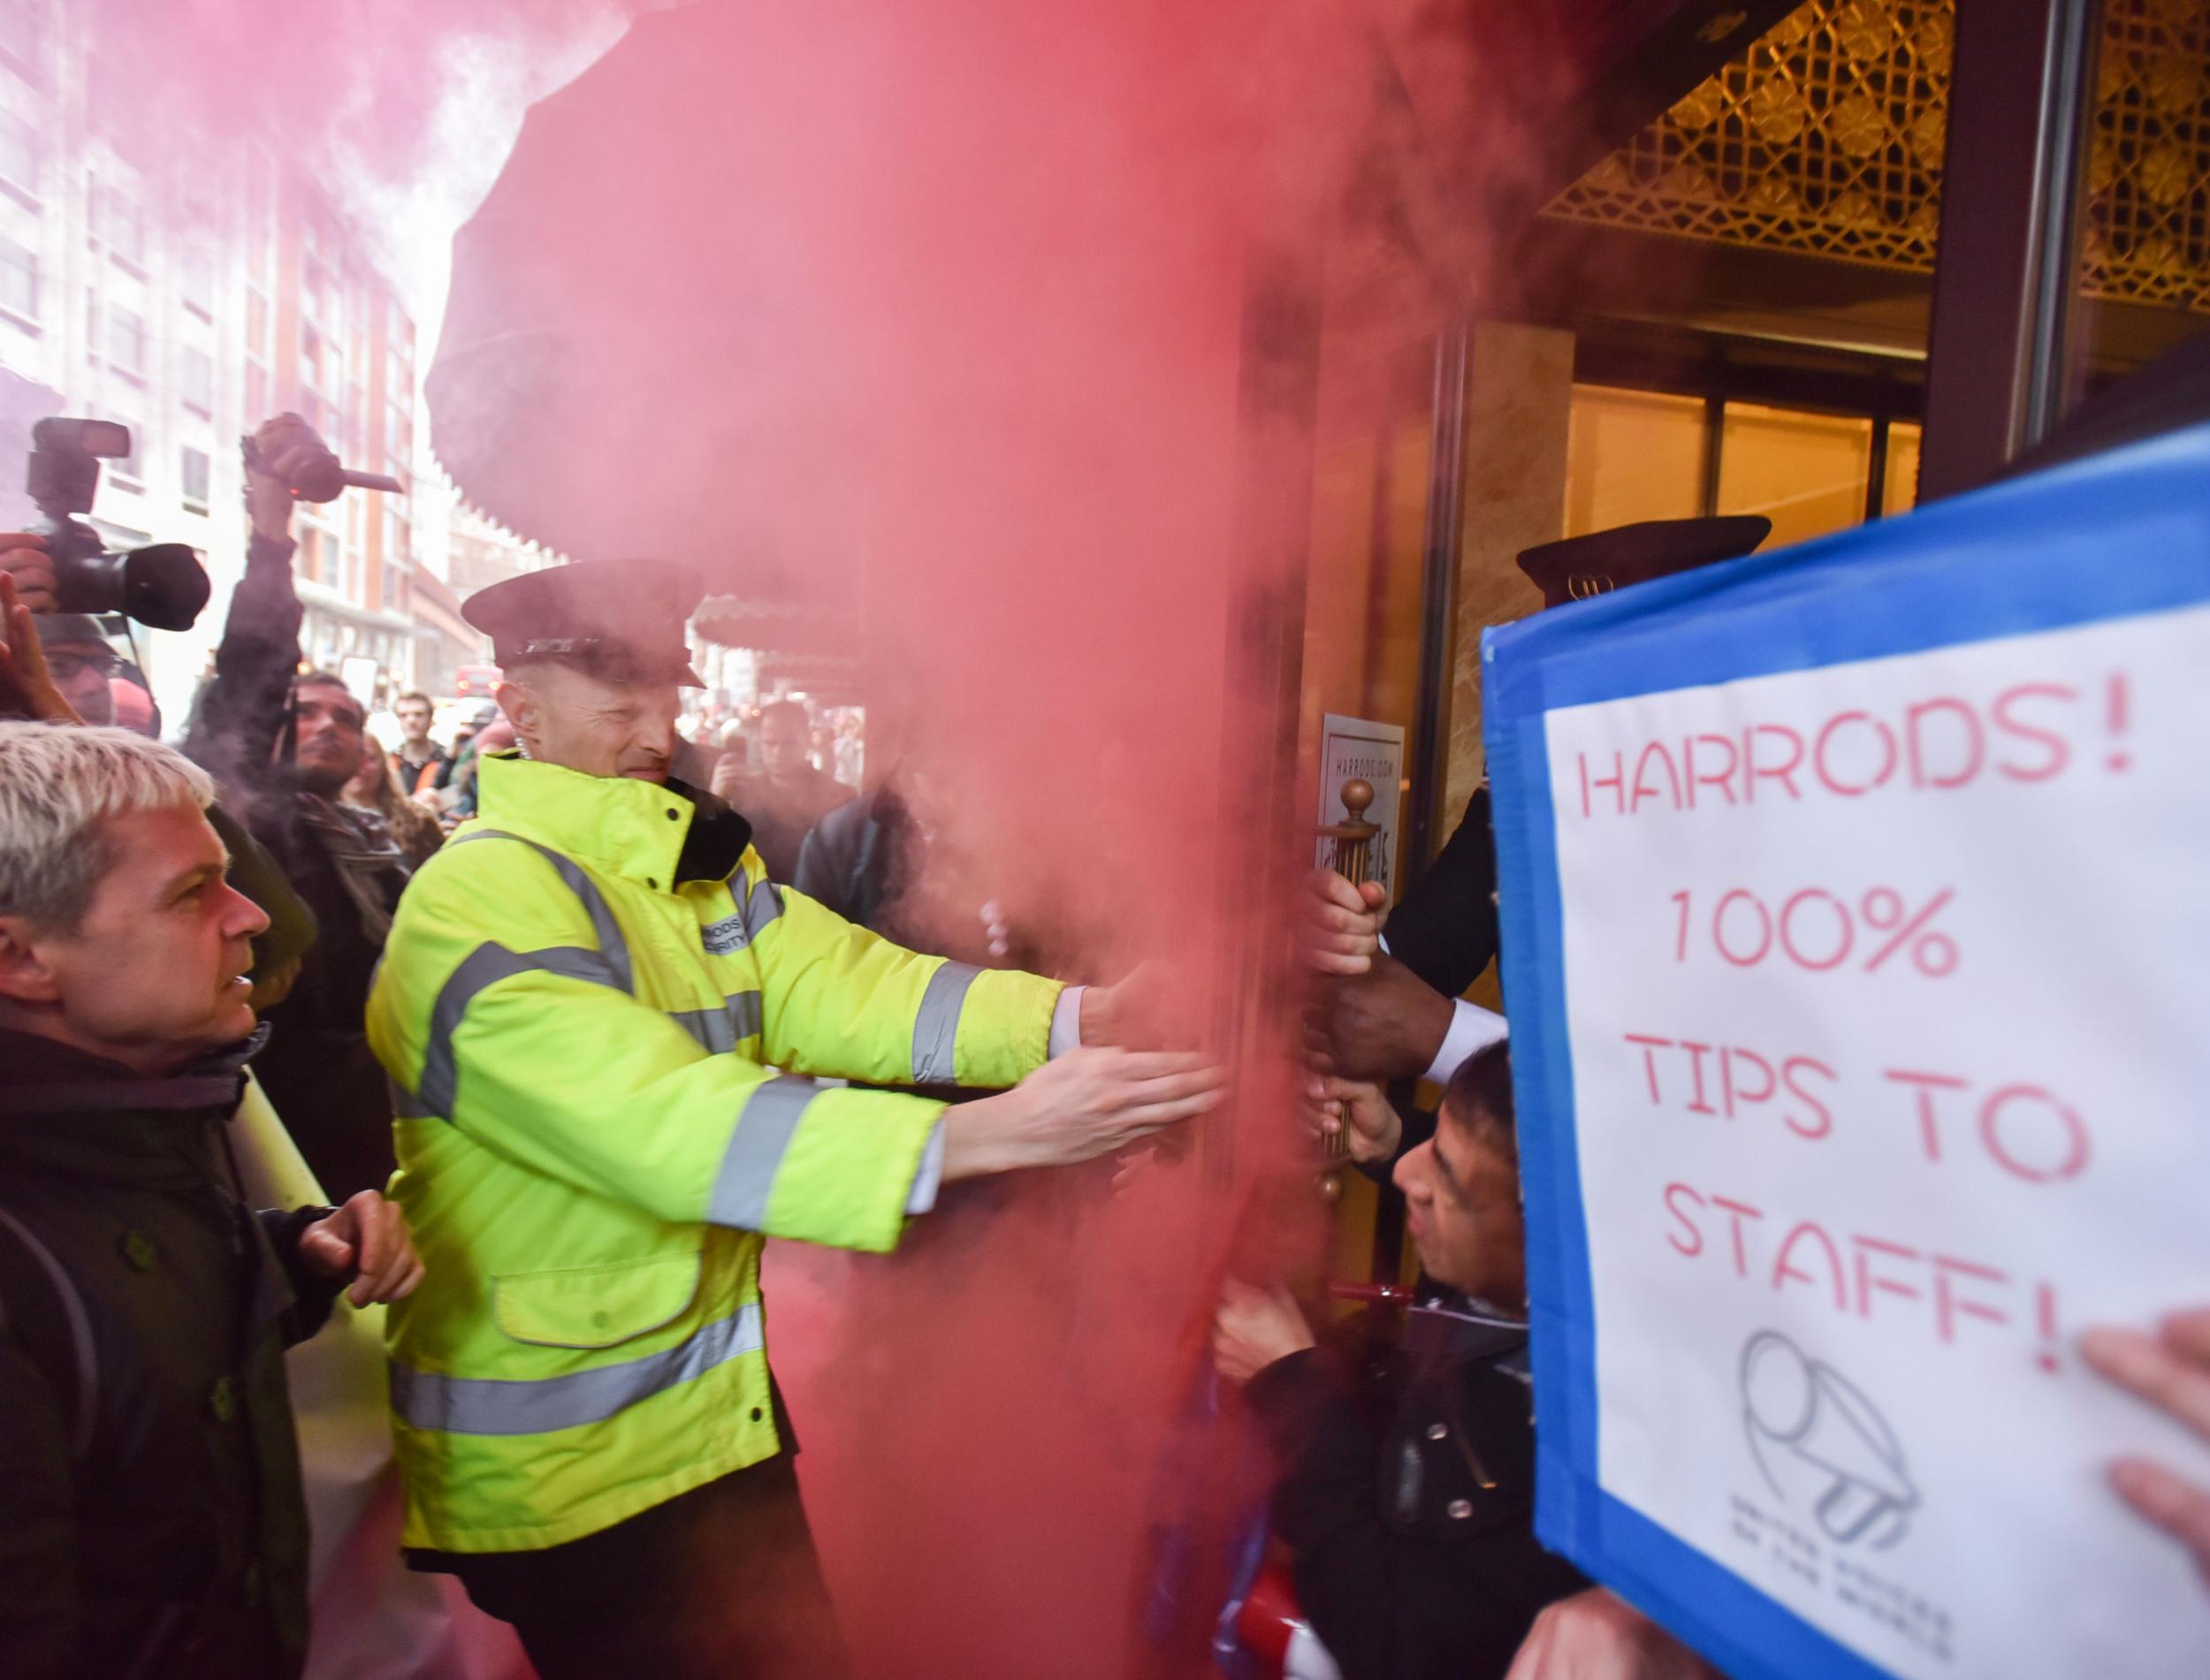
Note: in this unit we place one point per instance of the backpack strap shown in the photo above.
(44, 1332)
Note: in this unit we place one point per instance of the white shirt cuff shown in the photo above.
(1472, 1028)
(1383, 940)
(930, 1176)
(1066, 1023)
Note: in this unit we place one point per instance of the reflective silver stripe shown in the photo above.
(936, 1028)
(764, 1128)
(487, 966)
(507, 1406)
(610, 942)
(724, 1029)
(745, 1015)
(762, 905)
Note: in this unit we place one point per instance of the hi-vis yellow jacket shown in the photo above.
(582, 1007)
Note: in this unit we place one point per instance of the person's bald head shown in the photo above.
(786, 741)
(579, 721)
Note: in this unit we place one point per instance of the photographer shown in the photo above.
(283, 747)
(150, 1513)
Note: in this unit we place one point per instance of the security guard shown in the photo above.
(584, 1004)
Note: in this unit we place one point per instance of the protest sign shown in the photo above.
(1857, 936)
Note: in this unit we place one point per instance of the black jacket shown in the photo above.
(1407, 1497)
(410, 770)
(319, 1072)
(859, 859)
(1444, 930)
(151, 1520)
(783, 814)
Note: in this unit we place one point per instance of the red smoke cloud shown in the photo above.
(938, 317)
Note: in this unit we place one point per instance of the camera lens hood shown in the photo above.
(164, 586)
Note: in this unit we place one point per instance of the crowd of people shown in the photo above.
(566, 1022)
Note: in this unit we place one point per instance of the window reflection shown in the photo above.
(1632, 455)
(1807, 473)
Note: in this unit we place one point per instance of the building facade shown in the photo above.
(191, 289)
(476, 551)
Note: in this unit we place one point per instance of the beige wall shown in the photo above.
(1517, 401)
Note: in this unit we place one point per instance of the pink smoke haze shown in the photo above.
(935, 315)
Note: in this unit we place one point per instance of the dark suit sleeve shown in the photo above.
(313, 1295)
(823, 869)
(1444, 930)
(243, 709)
(1327, 1509)
(40, 1608)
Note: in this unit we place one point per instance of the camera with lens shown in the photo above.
(162, 585)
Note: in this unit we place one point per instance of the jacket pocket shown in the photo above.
(595, 1306)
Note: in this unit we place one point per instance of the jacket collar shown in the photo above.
(69, 1111)
(613, 824)
(1448, 1327)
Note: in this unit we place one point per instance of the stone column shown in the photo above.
(1519, 395)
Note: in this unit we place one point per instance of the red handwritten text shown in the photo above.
(1858, 1273)
(2030, 731)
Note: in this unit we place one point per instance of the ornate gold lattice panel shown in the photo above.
(1827, 138)
(2147, 236)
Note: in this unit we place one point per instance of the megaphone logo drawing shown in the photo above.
(1821, 1444)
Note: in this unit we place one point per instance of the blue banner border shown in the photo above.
(2113, 537)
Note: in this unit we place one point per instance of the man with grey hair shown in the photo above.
(150, 1513)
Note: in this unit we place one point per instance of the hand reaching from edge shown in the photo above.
(27, 686)
(1252, 1329)
(1596, 1636)
(2171, 1371)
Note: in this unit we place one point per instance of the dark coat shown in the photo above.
(151, 1520)
(1444, 930)
(1407, 1497)
(434, 759)
(783, 814)
(859, 859)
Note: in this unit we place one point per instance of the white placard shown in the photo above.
(358, 673)
(1885, 986)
